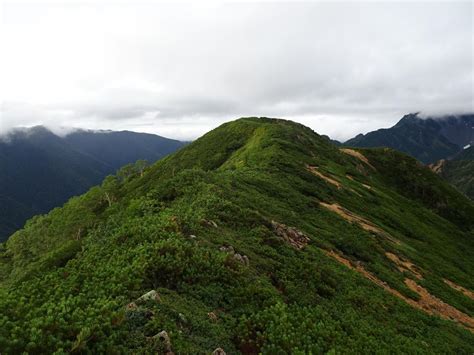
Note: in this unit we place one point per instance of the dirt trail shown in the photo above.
(404, 265)
(465, 291)
(315, 171)
(427, 302)
(434, 305)
(357, 155)
(365, 185)
(352, 217)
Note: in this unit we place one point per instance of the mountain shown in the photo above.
(40, 170)
(459, 171)
(261, 236)
(427, 139)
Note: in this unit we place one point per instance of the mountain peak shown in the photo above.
(244, 236)
(428, 139)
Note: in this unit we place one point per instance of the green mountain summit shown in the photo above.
(261, 236)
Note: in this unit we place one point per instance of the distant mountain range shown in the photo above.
(40, 170)
(427, 139)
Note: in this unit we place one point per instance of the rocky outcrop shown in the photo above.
(438, 166)
(241, 258)
(163, 342)
(291, 235)
(209, 223)
(212, 316)
(149, 296)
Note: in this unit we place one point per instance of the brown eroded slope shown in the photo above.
(357, 155)
(427, 302)
(464, 290)
(314, 170)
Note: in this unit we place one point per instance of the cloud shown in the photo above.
(181, 69)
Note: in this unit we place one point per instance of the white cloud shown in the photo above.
(181, 69)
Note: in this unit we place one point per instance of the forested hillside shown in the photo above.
(459, 171)
(40, 170)
(426, 138)
(261, 236)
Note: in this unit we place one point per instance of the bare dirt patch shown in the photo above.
(404, 265)
(314, 170)
(427, 302)
(438, 166)
(352, 217)
(464, 290)
(357, 155)
(434, 305)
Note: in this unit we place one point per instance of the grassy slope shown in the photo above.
(68, 275)
(460, 172)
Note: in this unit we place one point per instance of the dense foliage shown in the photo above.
(67, 277)
(460, 172)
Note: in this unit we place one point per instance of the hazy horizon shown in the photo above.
(179, 70)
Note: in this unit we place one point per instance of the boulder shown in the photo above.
(149, 296)
(243, 259)
(162, 340)
(212, 316)
(209, 223)
(219, 351)
(132, 306)
(229, 249)
(291, 235)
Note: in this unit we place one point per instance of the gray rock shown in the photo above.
(162, 338)
(219, 351)
(243, 259)
(149, 296)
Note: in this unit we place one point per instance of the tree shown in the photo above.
(140, 166)
(110, 187)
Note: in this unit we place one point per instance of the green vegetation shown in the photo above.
(40, 170)
(460, 172)
(66, 278)
(426, 139)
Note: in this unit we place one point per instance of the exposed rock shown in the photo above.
(163, 339)
(132, 306)
(149, 296)
(438, 166)
(243, 259)
(229, 249)
(219, 351)
(291, 235)
(209, 223)
(192, 236)
(212, 316)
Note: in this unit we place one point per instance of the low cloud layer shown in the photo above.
(179, 69)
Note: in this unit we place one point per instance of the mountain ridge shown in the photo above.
(427, 139)
(261, 236)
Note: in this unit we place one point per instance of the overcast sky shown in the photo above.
(179, 70)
